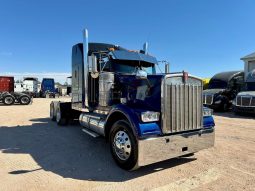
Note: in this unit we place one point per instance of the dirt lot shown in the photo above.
(36, 154)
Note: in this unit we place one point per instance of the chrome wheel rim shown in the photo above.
(8, 100)
(24, 100)
(122, 145)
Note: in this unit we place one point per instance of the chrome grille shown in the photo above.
(246, 101)
(253, 102)
(208, 99)
(181, 106)
(238, 100)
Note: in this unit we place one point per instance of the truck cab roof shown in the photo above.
(118, 53)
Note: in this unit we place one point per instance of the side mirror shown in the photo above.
(94, 72)
(141, 74)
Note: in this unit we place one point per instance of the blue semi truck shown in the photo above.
(48, 88)
(146, 117)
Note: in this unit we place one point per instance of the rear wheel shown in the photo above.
(24, 100)
(52, 116)
(61, 120)
(8, 100)
(123, 145)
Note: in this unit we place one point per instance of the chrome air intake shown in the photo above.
(181, 103)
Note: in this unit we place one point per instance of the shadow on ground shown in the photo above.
(70, 153)
(231, 114)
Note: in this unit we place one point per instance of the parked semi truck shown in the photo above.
(222, 90)
(145, 116)
(245, 100)
(7, 94)
(30, 85)
(48, 88)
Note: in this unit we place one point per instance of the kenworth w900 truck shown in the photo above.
(145, 116)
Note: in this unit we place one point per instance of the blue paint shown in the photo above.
(48, 84)
(149, 129)
(208, 122)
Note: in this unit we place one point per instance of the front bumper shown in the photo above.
(244, 109)
(213, 106)
(157, 149)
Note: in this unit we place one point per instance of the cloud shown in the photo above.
(58, 76)
(6, 53)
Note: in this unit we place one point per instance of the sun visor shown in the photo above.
(136, 56)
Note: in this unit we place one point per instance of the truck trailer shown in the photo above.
(6, 83)
(146, 117)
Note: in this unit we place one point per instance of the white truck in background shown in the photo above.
(29, 85)
(245, 100)
(18, 87)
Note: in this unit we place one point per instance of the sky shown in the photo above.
(203, 37)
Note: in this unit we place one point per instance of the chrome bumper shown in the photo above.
(162, 148)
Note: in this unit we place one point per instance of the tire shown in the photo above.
(123, 145)
(24, 100)
(8, 100)
(225, 107)
(52, 116)
(59, 117)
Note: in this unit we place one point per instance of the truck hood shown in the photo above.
(247, 93)
(212, 91)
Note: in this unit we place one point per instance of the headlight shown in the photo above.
(207, 112)
(150, 116)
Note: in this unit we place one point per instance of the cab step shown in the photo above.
(91, 133)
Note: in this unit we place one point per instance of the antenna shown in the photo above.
(145, 48)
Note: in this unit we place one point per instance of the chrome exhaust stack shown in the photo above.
(85, 65)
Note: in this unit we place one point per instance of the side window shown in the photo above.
(237, 83)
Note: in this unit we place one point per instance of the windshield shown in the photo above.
(250, 86)
(217, 84)
(128, 66)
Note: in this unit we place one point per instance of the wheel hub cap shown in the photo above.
(122, 145)
(24, 100)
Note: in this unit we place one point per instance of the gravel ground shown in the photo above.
(36, 154)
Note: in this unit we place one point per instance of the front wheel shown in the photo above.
(123, 145)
